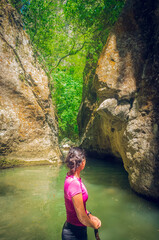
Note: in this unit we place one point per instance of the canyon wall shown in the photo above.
(119, 113)
(28, 128)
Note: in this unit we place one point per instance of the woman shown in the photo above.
(75, 194)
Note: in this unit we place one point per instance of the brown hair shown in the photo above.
(74, 158)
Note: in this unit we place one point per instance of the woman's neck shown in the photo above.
(77, 174)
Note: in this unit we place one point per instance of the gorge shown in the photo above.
(119, 113)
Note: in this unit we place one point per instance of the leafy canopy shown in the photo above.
(65, 34)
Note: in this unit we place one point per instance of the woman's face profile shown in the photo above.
(83, 163)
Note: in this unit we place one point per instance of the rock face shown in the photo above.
(123, 118)
(28, 129)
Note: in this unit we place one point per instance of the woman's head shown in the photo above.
(74, 158)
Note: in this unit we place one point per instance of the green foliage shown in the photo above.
(65, 34)
(94, 19)
(67, 94)
(49, 32)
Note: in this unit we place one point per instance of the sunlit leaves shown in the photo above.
(67, 96)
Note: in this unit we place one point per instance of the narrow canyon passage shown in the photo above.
(84, 75)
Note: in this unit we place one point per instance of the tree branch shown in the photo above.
(69, 54)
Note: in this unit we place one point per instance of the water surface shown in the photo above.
(32, 203)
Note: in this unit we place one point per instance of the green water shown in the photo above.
(32, 204)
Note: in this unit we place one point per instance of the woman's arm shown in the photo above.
(89, 214)
(81, 214)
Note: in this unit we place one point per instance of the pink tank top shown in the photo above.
(73, 186)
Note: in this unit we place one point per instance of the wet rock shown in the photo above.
(66, 144)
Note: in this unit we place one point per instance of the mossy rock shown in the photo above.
(6, 163)
(10, 163)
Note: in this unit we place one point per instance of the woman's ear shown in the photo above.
(83, 163)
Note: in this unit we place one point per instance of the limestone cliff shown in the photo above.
(28, 129)
(123, 119)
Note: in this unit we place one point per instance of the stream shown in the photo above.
(32, 203)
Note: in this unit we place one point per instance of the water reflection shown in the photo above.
(7, 189)
(32, 203)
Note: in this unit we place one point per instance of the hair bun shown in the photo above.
(74, 158)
